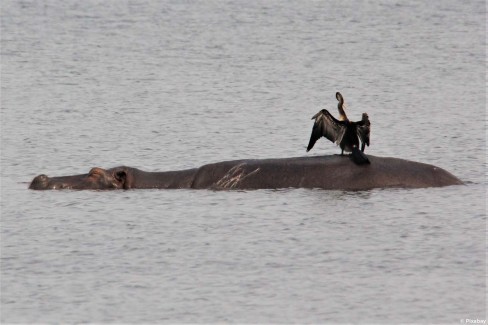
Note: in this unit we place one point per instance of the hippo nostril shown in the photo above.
(42, 178)
(39, 182)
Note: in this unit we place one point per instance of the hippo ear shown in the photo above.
(120, 176)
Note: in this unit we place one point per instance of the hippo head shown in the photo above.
(96, 179)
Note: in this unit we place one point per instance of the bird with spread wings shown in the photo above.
(343, 132)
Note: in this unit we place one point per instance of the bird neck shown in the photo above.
(342, 113)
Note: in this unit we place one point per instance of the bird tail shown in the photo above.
(359, 157)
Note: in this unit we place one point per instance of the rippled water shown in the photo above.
(177, 84)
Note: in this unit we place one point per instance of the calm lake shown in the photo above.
(165, 85)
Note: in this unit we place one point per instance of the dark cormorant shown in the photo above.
(345, 133)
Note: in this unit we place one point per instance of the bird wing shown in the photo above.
(326, 126)
(363, 130)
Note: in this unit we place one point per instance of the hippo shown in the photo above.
(333, 172)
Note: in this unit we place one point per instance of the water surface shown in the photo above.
(173, 85)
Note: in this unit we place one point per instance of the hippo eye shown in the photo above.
(96, 172)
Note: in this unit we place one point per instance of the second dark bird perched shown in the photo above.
(343, 132)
